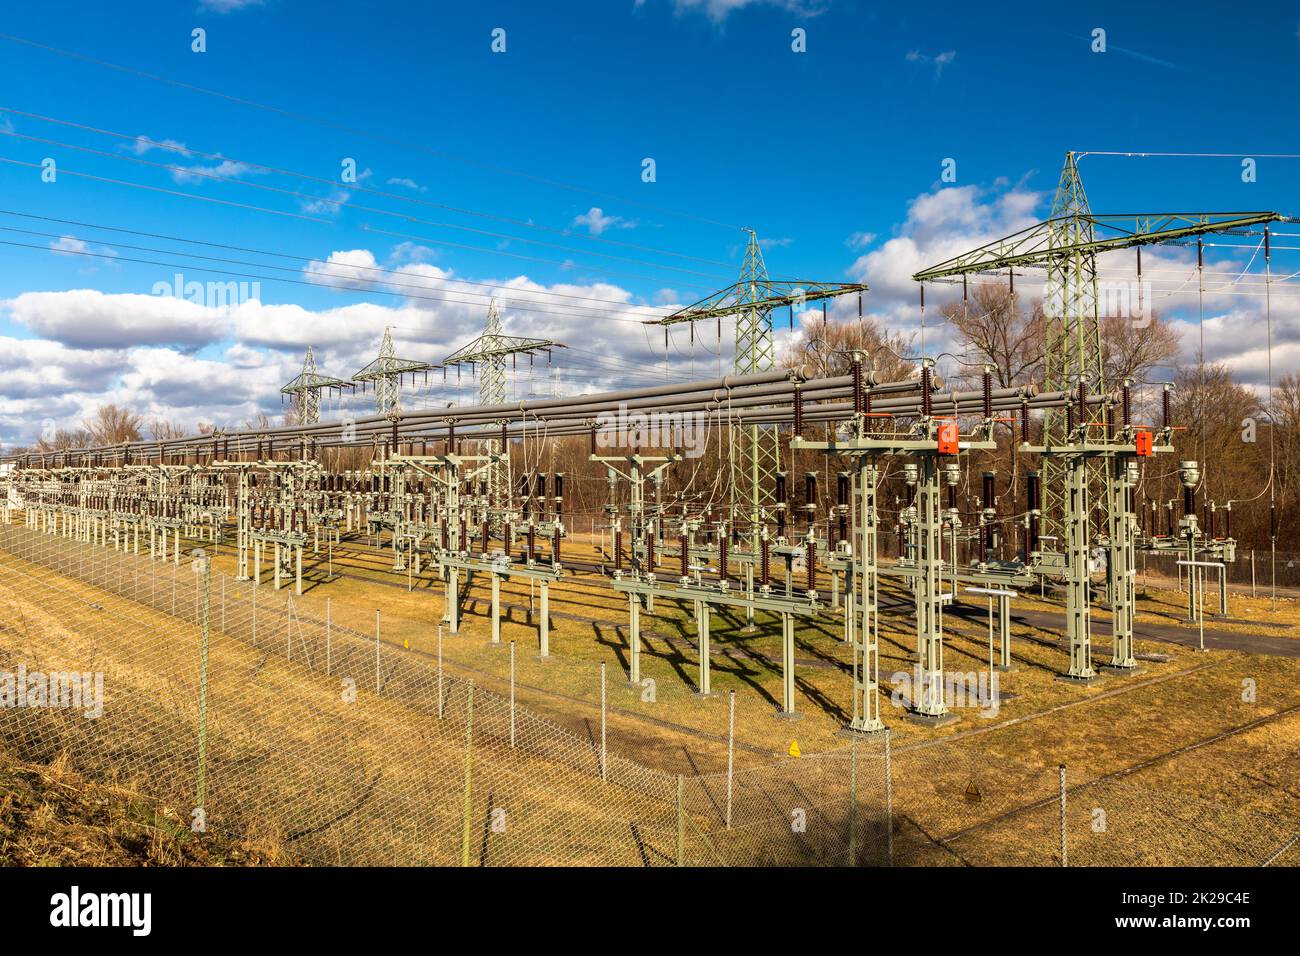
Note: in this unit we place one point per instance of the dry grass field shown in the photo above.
(1193, 759)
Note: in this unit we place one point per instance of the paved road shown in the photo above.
(1173, 634)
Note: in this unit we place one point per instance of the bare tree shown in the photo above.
(993, 327)
(161, 430)
(1208, 407)
(63, 439)
(826, 348)
(113, 424)
(1133, 351)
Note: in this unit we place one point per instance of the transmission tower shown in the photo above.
(488, 354)
(306, 389)
(1071, 324)
(1067, 246)
(387, 372)
(755, 449)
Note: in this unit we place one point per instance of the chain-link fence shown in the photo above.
(277, 724)
(1249, 568)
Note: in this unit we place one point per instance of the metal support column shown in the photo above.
(1077, 608)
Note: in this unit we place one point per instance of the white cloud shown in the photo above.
(719, 10)
(596, 222)
(408, 183)
(37, 368)
(940, 224)
(354, 269)
(333, 203)
(174, 148)
(143, 144)
(171, 358)
(411, 252)
(148, 352)
(225, 169)
(228, 6)
(937, 60)
(86, 318)
(1236, 320)
(69, 245)
(90, 257)
(946, 222)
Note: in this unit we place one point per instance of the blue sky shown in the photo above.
(833, 155)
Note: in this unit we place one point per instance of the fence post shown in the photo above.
(853, 801)
(201, 797)
(731, 750)
(512, 696)
(1065, 859)
(889, 800)
(1252, 572)
(441, 711)
(681, 824)
(469, 764)
(376, 650)
(603, 752)
(329, 633)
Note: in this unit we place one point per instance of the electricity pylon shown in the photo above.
(755, 449)
(1072, 326)
(306, 389)
(387, 372)
(1067, 246)
(488, 354)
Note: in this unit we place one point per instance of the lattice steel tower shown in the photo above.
(488, 354)
(1071, 323)
(387, 372)
(306, 389)
(1067, 246)
(755, 449)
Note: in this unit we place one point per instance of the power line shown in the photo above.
(171, 192)
(311, 200)
(1143, 155)
(246, 275)
(520, 255)
(291, 215)
(356, 132)
(503, 289)
(188, 151)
